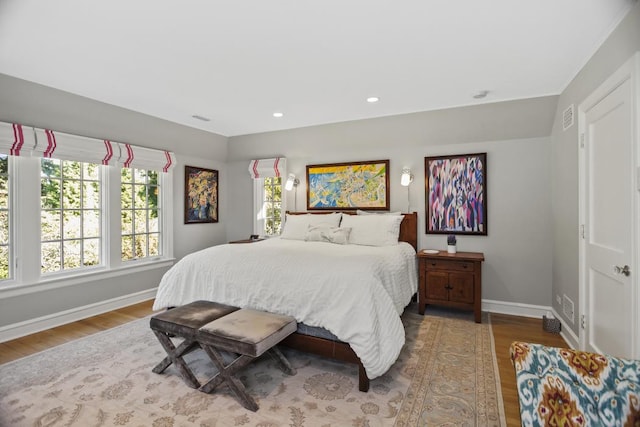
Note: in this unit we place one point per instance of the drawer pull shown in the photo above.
(433, 264)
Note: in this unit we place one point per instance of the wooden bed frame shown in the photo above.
(337, 349)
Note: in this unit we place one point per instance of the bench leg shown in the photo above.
(285, 366)
(226, 375)
(174, 355)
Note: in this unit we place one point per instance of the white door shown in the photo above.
(608, 293)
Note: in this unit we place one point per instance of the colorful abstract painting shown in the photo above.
(456, 194)
(356, 185)
(201, 195)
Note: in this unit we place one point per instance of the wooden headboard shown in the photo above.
(408, 226)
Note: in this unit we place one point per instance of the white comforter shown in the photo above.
(355, 292)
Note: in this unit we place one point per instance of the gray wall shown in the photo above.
(40, 106)
(619, 46)
(515, 136)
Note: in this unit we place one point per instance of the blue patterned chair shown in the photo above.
(565, 387)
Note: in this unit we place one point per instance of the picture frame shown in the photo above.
(200, 195)
(348, 186)
(456, 194)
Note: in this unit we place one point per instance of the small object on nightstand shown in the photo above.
(252, 239)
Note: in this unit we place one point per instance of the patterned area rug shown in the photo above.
(445, 375)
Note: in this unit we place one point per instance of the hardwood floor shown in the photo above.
(506, 329)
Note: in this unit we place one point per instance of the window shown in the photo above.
(5, 218)
(272, 206)
(140, 214)
(70, 215)
(87, 206)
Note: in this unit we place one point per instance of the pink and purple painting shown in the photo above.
(456, 194)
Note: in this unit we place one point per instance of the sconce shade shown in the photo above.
(406, 177)
(291, 182)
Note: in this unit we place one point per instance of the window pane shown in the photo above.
(90, 194)
(125, 175)
(70, 194)
(127, 248)
(4, 164)
(4, 191)
(141, 196)
(153, 197)
(126, 196)
(71, 253)
(50, 168)
(154, 244)
(141, 246)
(4, 262)
(50, 194)
(50, 257)
(91, 223)
(91, 252)
(4, 227)
(153, 177)
(71, 224)
(140, 176)
(49, 225)
(71, 169)
(127, 222)
(154, 222)
(140, 221)
(90, 171)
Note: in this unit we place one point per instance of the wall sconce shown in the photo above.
(292, 182)
(406, 178)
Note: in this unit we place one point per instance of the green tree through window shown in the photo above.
(70, 215)
(272, 205)
(140, 211)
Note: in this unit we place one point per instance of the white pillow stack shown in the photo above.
(373, 230)
(296, 226)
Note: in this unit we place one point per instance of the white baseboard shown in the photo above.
(515, 308)
(529, 310)
(20, 329)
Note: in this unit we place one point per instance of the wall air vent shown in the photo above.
(567, 308)
(567, 118)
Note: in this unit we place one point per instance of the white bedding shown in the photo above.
(356, 292)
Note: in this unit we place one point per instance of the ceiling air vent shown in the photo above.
(567, 118)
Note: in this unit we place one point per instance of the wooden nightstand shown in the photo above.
(247, 241)
(453, 280)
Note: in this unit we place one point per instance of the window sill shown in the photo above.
(70, 279)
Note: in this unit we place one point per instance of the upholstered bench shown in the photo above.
(565, 387)
(248, 333)
(184, 322)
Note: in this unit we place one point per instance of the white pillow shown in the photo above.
(296, 226)
(323, 233)
(360, 212)
(373, 230)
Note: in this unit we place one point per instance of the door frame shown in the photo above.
(630, 70)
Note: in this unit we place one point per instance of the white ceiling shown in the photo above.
(237, 62)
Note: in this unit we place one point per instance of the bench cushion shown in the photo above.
(247, 331)
(187, 319)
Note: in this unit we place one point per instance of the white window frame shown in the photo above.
(258, 207)
(25, 247)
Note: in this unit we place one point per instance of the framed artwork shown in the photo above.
(345, 186)
(456, 194)
(200, 195)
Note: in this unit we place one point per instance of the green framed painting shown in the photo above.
(348, 186)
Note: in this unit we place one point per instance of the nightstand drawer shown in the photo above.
(437, 264)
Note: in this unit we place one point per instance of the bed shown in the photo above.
(347, 298)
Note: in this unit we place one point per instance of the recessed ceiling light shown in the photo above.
(373, 99)
(481, 94)
(278, 114)
(204, 119)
